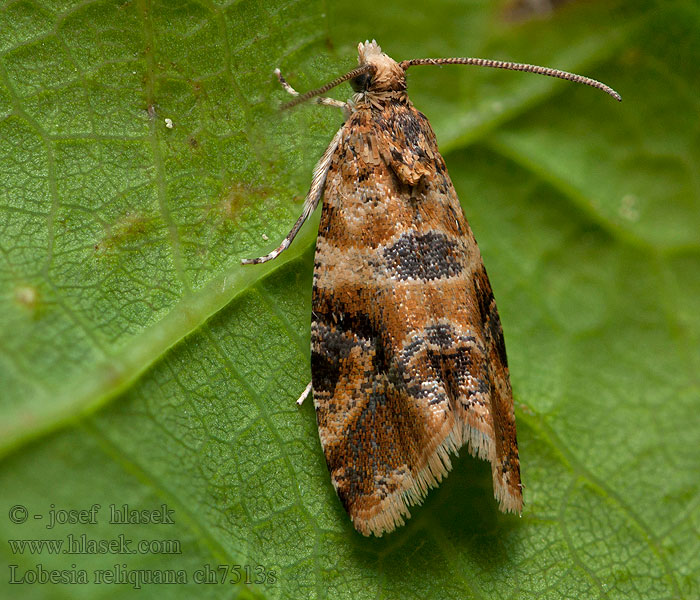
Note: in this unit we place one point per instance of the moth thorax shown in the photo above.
(388, 75)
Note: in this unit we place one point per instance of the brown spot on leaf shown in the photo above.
(234, 198)
(130, 229)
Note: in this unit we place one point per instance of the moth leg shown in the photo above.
(318, 183)
(322, 100)
(304, 394)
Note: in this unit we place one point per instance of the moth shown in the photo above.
(408, 360)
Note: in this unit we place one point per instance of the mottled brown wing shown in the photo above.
(408, 361)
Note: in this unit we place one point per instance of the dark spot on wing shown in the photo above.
(428, 256)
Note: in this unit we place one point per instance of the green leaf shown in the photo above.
(141, 364)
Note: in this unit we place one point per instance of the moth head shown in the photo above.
(386, 74)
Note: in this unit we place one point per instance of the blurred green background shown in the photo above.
(141, 364)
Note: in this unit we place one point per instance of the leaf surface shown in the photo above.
(142, 365)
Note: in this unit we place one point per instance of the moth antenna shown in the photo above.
(324, 88)
(500, 64)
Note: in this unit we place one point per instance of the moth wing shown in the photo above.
(481, 385)
(383, 446)
(401, 346)
(487, 409)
